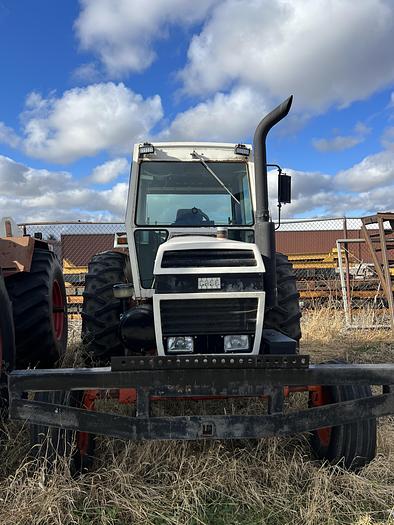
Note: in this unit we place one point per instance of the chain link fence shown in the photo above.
(311, 245)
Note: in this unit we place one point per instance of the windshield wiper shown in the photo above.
(209, 170)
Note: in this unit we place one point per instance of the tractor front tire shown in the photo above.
(39, 306)
(286, 316)
(101, 310)
(351, 446)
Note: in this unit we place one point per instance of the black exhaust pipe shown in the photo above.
(264, 228)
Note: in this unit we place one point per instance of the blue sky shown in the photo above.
(83, 80)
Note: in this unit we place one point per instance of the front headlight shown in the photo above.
(183, 345)
(236, 343)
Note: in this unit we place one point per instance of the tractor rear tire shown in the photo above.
(101, 310)
(286, 317)
(39, 308)
(50, 444)
(351, 446)
(7, 343)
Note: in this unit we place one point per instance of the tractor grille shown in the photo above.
(208, 316)
(207, 258)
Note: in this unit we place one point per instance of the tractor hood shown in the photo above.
(203, 254)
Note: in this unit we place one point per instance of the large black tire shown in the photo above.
(352, 446)
(7, 343)
(40, 312)
(7, 340)
(101, 310)
(286, 317)
(50, 444)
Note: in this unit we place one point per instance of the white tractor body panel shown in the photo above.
(201, 243)
(206, 243)
(260, 296)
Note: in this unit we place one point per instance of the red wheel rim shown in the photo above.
(319, 396)
(57, 309)
(83, 438)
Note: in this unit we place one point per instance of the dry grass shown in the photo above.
(267, 482)
(325, 337)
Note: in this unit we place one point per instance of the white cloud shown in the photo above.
(8, 136)
(338, 143)
(343, 142)
(84, 121)
(374, 171)
(323, 52)
(365, 188)
(122, 32)
(309, 191)
(224, 117)
(388, 138)
(109, 171)
(362, 129)
(331, 199)
(30, 194)
(112, 201)
(86, 73)
(22, 181)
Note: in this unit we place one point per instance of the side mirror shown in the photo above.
(284, 188)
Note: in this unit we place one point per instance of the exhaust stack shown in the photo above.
(265, 229)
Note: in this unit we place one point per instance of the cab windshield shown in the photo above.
(187, 194)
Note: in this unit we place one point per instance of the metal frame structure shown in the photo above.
(199, 376)
(381, 242)
(377, 242)
(345, 283)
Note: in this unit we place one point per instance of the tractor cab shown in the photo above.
(182, 189)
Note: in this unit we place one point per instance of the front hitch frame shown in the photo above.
(200, 377)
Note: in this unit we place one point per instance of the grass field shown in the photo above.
(273, 482)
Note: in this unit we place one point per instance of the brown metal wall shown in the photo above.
(79, 249)
(315, 241)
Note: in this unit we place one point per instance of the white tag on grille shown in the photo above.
(209, 283)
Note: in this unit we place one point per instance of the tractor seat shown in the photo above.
(192, 217)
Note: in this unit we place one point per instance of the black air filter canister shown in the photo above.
(137, 328)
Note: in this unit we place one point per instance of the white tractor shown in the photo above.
(197, 271)
(195, 302)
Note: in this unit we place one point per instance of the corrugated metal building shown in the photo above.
(77, 250)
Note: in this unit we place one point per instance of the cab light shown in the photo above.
(241, 149)
(146, 149)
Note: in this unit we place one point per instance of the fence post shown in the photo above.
(347, 268)
(343, 283)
